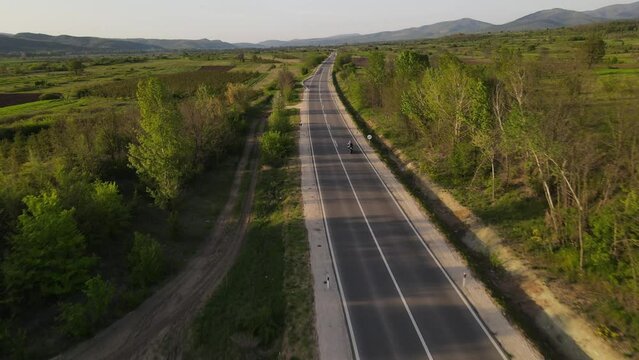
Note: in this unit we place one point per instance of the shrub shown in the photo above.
(47, 256)
(276, 147)
(146, 260)
(51, 96)
(82, 318)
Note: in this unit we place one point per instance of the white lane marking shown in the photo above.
(370, 229)
(410, 223)
(330, 242)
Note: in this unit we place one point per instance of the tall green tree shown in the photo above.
(409, 65)
(162, 155)
(594, 49)
(377, 76)
(47, 256)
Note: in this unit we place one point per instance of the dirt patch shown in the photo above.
(17, 99)
(216, 68)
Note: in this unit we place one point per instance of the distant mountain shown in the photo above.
(202, 44)
(10, 44)
(331, 40)
(550, 19)
(42, 43)
(467, 26)
(616, 12)
(553, 18)
(546, 19)
(90, 43)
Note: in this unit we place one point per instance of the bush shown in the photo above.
(83, 318)
(47, 256)
(51, 96)
(462, 162)
(276, 147)
(278, 120)
(146, 260)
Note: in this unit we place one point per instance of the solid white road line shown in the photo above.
(370, 229)
(450, 280)
(330, 241)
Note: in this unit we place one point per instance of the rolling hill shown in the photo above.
(553, 18)
(550, 19)
(616, 12)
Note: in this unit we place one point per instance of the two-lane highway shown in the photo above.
(399, 303)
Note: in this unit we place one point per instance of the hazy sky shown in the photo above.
(254, 20)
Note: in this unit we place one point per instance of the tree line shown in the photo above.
(68, 194)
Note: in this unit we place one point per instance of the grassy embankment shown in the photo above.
(264, 307)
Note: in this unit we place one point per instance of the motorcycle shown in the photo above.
(350, 147)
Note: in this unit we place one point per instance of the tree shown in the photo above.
(80, 319)
(451, 97)
(47, 255)
(275, 147)
(278, 120)
(594, 49)
(146, 260)
(76, 66)
(285, 82)
(342, 59)
(377, 76)
(409, 65)
(238, 97)
(161, 156)
(206, 124)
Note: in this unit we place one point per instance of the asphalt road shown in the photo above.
(399, 304)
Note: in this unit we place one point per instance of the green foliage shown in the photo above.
(161, 157)
(101, 212)
(462, 162)
(285, 82)
(146, 260)
(409, 65)
(377, 76)
(81, 319)
(594, 49)
(47, 255)
(449, 106)
(76, 66)
(276, 147)
(613, 243)
(342, 59)
(279, 120)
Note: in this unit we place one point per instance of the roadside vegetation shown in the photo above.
(536, 132)
(103, 196)
(264, 307)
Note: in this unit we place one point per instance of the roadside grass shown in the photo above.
(264, 306)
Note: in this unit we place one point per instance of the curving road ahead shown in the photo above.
(398, 302)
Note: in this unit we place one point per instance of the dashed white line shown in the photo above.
(439, 265)
(370, 229)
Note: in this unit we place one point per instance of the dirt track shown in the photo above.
(158, 327)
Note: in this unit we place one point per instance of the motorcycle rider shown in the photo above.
(350, 146)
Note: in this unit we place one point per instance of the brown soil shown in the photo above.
(158, 328)
(17, 99)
